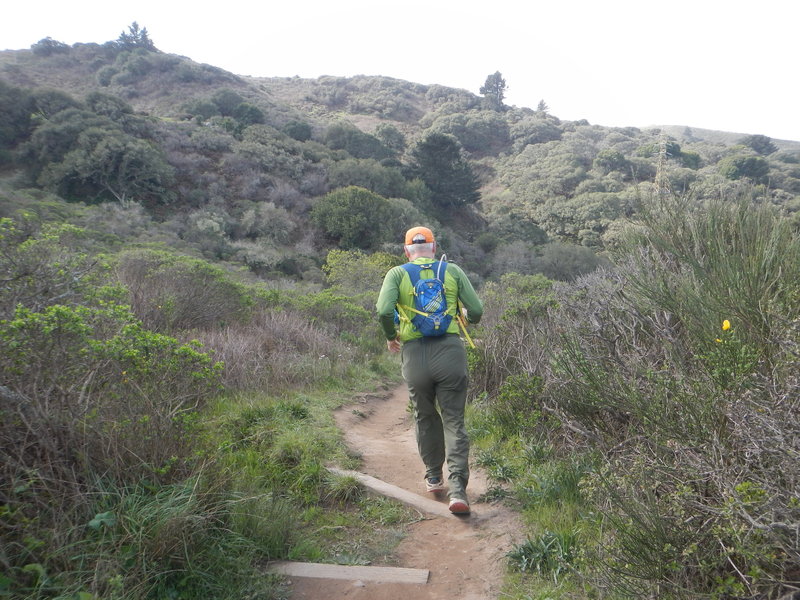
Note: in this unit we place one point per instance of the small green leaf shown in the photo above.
(35, 568)
(106, 519)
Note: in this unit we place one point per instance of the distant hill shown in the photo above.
(690, 134)
(223, 148)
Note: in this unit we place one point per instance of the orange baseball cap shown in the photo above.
(419, 235)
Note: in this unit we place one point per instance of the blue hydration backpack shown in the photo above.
(430, 304)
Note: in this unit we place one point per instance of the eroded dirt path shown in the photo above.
(464, 554)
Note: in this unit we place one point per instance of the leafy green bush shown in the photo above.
(89, 398)
(370, 174)
(85, 156)
(103, 392)
(354, 217)
(337, 312)
(754, 168)
(41, 267)
(483, 131)
(347, 137)
(352, 272)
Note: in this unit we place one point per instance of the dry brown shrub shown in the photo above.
(276, 350)
(171, 293)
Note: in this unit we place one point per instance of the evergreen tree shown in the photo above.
(760, 143)
(440, 163)
(494, 91)
(135, 38)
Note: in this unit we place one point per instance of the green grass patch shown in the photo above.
(282, 446)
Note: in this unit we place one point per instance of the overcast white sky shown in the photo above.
(717, 64)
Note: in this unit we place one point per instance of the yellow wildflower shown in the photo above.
(726, 325)
(719, 341)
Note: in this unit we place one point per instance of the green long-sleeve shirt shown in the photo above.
(397, 289)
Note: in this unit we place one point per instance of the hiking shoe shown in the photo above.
(434, 484)
(459, 506)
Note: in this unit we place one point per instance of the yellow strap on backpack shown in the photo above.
(462, 323)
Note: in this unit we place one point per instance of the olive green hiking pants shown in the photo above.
(435, 371)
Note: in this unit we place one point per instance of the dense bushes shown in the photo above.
(676, 374)
(41, 268)
(111, 484)
(90, 401)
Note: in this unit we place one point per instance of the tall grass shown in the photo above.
(277, 350)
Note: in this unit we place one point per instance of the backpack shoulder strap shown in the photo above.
(414, 271)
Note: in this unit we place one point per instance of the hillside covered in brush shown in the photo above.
(189, 265)
(270, 173)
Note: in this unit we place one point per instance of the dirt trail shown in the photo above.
(464, 554)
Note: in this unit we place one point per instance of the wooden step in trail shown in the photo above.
(353, 573)
(392, 491)
(367, 573)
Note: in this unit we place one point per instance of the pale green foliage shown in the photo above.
(483, 131)
(353, 272)
(41, 268)
(370, 174)
(551, 554)
(534, 130)
(545, 170)
(344, 136)
(266, 220)
(582, 219)
(271, 151)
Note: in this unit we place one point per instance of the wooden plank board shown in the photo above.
(354, 573)
(392, 491)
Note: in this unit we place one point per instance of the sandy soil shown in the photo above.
(464, 554)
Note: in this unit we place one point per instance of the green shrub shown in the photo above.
(337, 312)
(41, 266)
(352, 272)
(103, 393)
(354, 217)
(89, 400)
(676, 364)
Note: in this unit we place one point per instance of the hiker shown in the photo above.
(433, 357)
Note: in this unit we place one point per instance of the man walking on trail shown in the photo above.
(434, 362)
